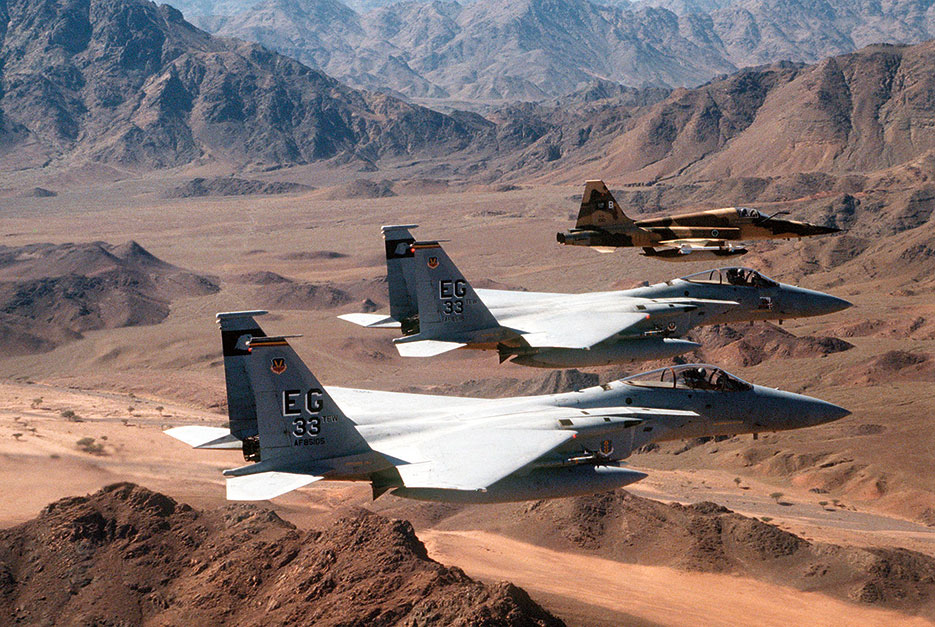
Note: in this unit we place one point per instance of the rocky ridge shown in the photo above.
(127, 555)
(52, 293)
(130, 82)
(536, 49)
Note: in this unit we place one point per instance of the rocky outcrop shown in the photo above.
(126, 555)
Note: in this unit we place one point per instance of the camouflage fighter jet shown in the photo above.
(438, 310)
(295, 432)
(692, 236)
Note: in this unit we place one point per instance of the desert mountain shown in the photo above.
(846, 141)
(856, 113)
(50, 293)
(129, 82)
(755, 32)
(490, 50)
(485, 50)
(126, 555)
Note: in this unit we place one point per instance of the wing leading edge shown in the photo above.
(473, 460)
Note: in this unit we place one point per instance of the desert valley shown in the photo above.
(153, 174)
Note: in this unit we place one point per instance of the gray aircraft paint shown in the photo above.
(551, 330)
(484, 450)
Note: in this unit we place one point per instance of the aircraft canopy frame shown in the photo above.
(738, 276)
(690, 377)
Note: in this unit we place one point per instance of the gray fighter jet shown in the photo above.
(438, 310)
(454, 449)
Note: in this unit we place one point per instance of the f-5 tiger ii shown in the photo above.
(293, 431)
(438, 310)
(696, 236)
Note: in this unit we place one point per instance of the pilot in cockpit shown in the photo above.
(735, 276)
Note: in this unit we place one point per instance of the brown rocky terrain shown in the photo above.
(896, 365)
(843, 115)
(135, 84)
(50, 294)
(737, 346)
(232, 186)
(126, 555)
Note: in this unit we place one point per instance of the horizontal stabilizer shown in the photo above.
(266, 485)
(198, 436)
(371, 321)
(426, 348)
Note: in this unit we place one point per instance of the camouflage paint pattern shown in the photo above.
(601, 222)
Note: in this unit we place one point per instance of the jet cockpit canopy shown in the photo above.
(690, 377)
(739, 276)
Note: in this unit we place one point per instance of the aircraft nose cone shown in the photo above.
(823, 411)
(832, 304)
(817, 229)
(803, 302)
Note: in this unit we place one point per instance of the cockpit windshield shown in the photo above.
(746, 212)
(690, 377)
(743, 277)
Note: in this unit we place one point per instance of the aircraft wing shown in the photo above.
(354, 401)
(474, 459)
(579, 329)
(266, 485)
(372, 321)
(462, 459)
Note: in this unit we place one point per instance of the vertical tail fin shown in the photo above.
(449, 308)
(301, 428)
(598, 207)
(238, 328)
(398, 242)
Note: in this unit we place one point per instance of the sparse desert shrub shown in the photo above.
(88, 445)
(70, 415)
(766, 519)
(17, 436)
(36, 402)
(159, 408)
(737, 480)
(776, 496)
